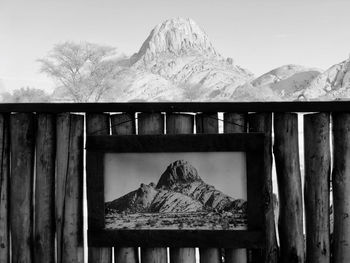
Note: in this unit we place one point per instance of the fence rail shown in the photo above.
(41, 177)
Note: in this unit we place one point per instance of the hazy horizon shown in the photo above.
(258, 35)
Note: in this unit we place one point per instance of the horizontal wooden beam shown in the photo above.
(293, 106)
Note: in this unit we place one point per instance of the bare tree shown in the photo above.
(85, 71)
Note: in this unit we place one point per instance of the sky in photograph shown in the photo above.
(124, 172)
(258, 35)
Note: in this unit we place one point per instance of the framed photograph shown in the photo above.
(178, 190)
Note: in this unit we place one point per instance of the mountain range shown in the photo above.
(178, 62)
(179, 189)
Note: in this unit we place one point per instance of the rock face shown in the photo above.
(178, 173)
(285, 83)
(179, 189)
(332, 84)
(177, 62)
(176, 36)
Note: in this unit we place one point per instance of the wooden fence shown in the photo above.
(42, 175)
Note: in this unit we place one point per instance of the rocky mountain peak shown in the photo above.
(178, 172)
(175, 36)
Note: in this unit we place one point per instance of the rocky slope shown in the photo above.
(179, 189)
(178, 62)
(283, 83)
(332, 84)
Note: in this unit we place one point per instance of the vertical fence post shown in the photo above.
(97, 124)
(208, 123)
(69, 188)
(317, 181)
(262, 122)
(235, 123)
(286, 150)
(341, 187)
(181, 124)
(152, 123)
(44, 221)
(4, 186)
(124, 124)
(21, 188)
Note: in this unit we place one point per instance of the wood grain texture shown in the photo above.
(152, 123)
(124, 124)
(286, 151)
(69, 188)
(235, 123)
(262, 122)
(317, 186)
(21, 188)
(4, 188)
(177, 123)
(97, 124)
(181, 124)
(209, 255)
(341, 187)
(126, 255)
(44, 221)
(208, 123)
(154, 255)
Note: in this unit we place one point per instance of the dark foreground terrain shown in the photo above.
(188, 220)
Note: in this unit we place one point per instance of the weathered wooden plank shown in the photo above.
(69, 186)
(209, 255)
(235, 123)
(21, 187)
(126, 255)
(208, 123)
(152, 123)
(286, 151)
(177, 123)
(154, 255)
(317, 186)
(262, 122)
(124, 124)
(44, 221)
(183, 255)
(181, 124)
(98, 124)
(341, 187)
(4, 188)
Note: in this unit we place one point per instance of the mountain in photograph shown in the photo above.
(179, 189)
(181, 197)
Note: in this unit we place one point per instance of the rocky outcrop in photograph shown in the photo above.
(179, 200)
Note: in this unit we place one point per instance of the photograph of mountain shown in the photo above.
(181, 197)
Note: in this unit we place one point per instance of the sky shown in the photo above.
(124, 172)
(258, 35)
